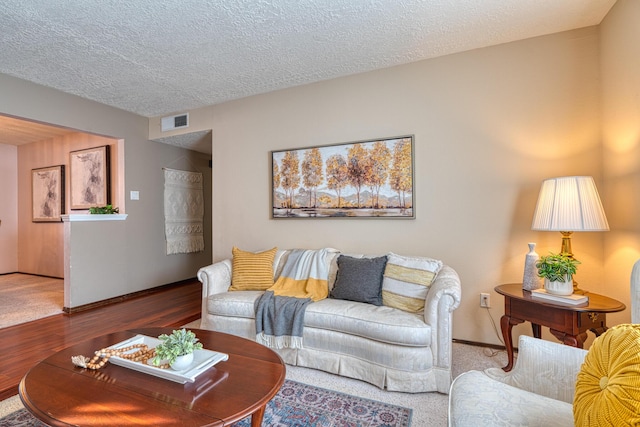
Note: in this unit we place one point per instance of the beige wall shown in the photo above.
(489, 126)
(141, 260)
(620, 62)
(8, 208)
(41, 244)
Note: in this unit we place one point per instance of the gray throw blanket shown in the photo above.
(280, 320)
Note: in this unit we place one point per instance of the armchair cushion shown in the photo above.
(544, 368)
(608, 384)
(252, 271)
(477, 400)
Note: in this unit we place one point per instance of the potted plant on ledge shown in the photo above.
(557, 271)
(177, 349)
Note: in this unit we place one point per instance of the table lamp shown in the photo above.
(568, 204)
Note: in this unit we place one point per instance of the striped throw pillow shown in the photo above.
(406, 281)
(252, 271)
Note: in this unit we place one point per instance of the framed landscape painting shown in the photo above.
(47, 194)
(364, 179)
(89, 177)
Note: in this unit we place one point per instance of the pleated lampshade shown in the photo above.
(569, 203)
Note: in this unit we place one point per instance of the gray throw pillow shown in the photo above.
(359, 279)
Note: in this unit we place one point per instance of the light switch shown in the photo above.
(134, 195)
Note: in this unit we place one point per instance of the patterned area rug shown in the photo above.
(298, 405)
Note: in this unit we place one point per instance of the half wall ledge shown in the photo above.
(93, 217)
(95, 258)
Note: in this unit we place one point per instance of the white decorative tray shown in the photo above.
(202, 360)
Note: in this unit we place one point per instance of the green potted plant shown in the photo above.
(177, 349)
(557, 271)
(109, 209)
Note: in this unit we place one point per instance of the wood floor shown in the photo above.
(24, 345)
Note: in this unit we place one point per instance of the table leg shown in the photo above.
(537, 330)
(256, 417)
(506, 324)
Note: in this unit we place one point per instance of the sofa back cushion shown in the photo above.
(407, 280)
(252, 271)
(359, 279)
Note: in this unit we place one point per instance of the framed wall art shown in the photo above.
(364, 179)
(47, 194)
(89, 177)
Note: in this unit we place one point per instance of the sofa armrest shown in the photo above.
(443, 297)
(543, 367)
(215, 278)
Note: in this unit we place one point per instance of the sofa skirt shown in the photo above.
(387, 366)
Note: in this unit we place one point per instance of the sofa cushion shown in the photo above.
(359, 279)
(608, 384)
(252, 271)
(384, 324)
(378, 323)
(407, 280)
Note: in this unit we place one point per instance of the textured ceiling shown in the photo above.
(156, 57)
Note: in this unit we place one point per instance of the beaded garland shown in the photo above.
(143, 354)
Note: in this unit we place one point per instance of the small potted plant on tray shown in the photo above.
(177, 349)
(557, 271)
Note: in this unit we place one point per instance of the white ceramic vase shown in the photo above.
(559, 288)
(182, 362)
(530, 279)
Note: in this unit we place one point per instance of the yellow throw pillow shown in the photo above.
(252, 271)
(608, 384)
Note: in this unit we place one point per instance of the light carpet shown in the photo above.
(25, 297)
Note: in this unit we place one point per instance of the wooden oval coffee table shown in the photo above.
(61, 394)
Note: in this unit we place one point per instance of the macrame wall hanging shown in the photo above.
(183, 211)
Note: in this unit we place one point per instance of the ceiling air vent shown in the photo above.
(175, 122)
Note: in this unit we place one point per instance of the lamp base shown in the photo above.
(565, 248)
(577, 290)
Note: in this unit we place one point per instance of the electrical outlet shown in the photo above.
(485, 300)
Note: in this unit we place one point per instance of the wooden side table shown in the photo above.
(568, 323)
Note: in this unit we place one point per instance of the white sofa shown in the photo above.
(384, 346)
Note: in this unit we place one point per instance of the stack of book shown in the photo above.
(573, 299)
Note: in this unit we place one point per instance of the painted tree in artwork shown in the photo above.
(290, 175)
(276, 181)
(378, 171)
(400, 179)
(337, 174)
(312, 173)
(358, 164)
